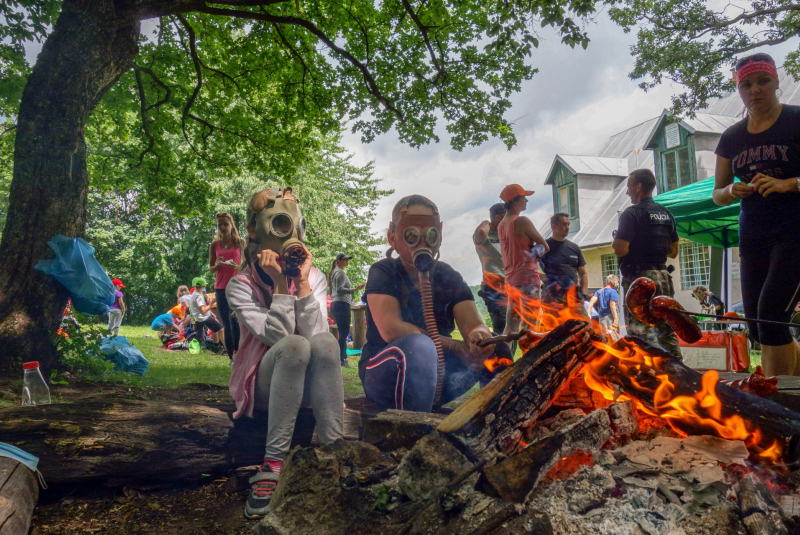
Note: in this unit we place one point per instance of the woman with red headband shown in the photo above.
(762, 151)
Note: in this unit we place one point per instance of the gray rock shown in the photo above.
(430, 465)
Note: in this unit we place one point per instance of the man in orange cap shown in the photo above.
(521, 246)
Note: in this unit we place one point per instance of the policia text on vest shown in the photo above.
(650, 230)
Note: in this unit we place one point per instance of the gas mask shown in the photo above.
(281, 227)
(417, 239)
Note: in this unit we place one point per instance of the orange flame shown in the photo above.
(496, 362)
(702, 410)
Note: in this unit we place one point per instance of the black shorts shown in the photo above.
(771, 286)
(212, 324)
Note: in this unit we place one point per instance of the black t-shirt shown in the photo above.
(562, 261)
(714, 301)
(388, 277)
(776, 153)
(650, 229)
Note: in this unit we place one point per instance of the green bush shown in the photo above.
(79, 350)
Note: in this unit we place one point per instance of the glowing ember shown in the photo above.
(699, 412)
(496, 362)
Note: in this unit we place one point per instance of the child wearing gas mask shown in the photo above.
(400, 363)
(286, 358)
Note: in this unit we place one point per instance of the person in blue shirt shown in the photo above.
(607, 299)
(165, 324)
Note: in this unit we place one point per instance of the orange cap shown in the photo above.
(512, 191)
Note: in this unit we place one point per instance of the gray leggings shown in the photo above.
(298, 372)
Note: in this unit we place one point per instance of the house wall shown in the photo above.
(594, 268)
(705, 159)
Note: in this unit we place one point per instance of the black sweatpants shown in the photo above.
(229, 323)
(771, 287)
(341, 315)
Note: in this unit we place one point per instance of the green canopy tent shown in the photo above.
(700, 220)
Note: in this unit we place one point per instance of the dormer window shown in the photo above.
(567, 200)
(673, 151)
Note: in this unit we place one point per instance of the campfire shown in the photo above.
(580, 435)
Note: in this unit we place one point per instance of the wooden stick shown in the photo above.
(740, 319)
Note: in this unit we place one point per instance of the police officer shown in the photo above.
(645, 238)
(487, 245)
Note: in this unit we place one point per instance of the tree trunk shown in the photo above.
(90, 47)
(119, 440)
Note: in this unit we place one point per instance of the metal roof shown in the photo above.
(731, 105)
(589, 165)
(629, 144)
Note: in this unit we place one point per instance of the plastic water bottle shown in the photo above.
(34, 389)
(538, 250)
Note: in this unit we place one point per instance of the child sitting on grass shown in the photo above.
(200, 307)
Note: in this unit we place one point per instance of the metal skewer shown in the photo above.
(739, 319)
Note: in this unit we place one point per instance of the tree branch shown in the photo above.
(424, 31)
(143, 107)
(199, 72)
(372, 85)
(158, 81)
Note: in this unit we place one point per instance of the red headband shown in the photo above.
(756, 66)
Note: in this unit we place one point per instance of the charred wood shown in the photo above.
(760, 513)
(493, 421)
(514, 478)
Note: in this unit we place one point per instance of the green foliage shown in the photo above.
(80, 351)
(153, 250)
(226, 90)
(692, 43)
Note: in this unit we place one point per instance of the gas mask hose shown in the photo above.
(433, 331)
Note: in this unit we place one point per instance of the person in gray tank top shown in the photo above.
(487, 245)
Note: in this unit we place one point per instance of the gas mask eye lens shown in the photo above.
(411, 236)
(281, 225)
(432, 237)
(301, 228)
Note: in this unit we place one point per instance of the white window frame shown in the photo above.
(609, 265)
(695, 263)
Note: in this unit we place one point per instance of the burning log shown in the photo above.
(494, 419)
(517, 476)
(691, 402)
(514, 478)
(760, 511)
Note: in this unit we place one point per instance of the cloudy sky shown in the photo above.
(576, 100)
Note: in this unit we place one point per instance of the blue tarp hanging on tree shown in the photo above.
(76, 268)
(126, 357)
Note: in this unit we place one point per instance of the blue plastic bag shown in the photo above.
(76, 268)
(126, 357)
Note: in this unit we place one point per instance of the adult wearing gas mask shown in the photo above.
(415, 303)
(286, 358)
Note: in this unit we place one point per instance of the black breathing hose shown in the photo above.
(433, 331)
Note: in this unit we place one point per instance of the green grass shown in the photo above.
(755, 360)
(173, 368)
(176, 368)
